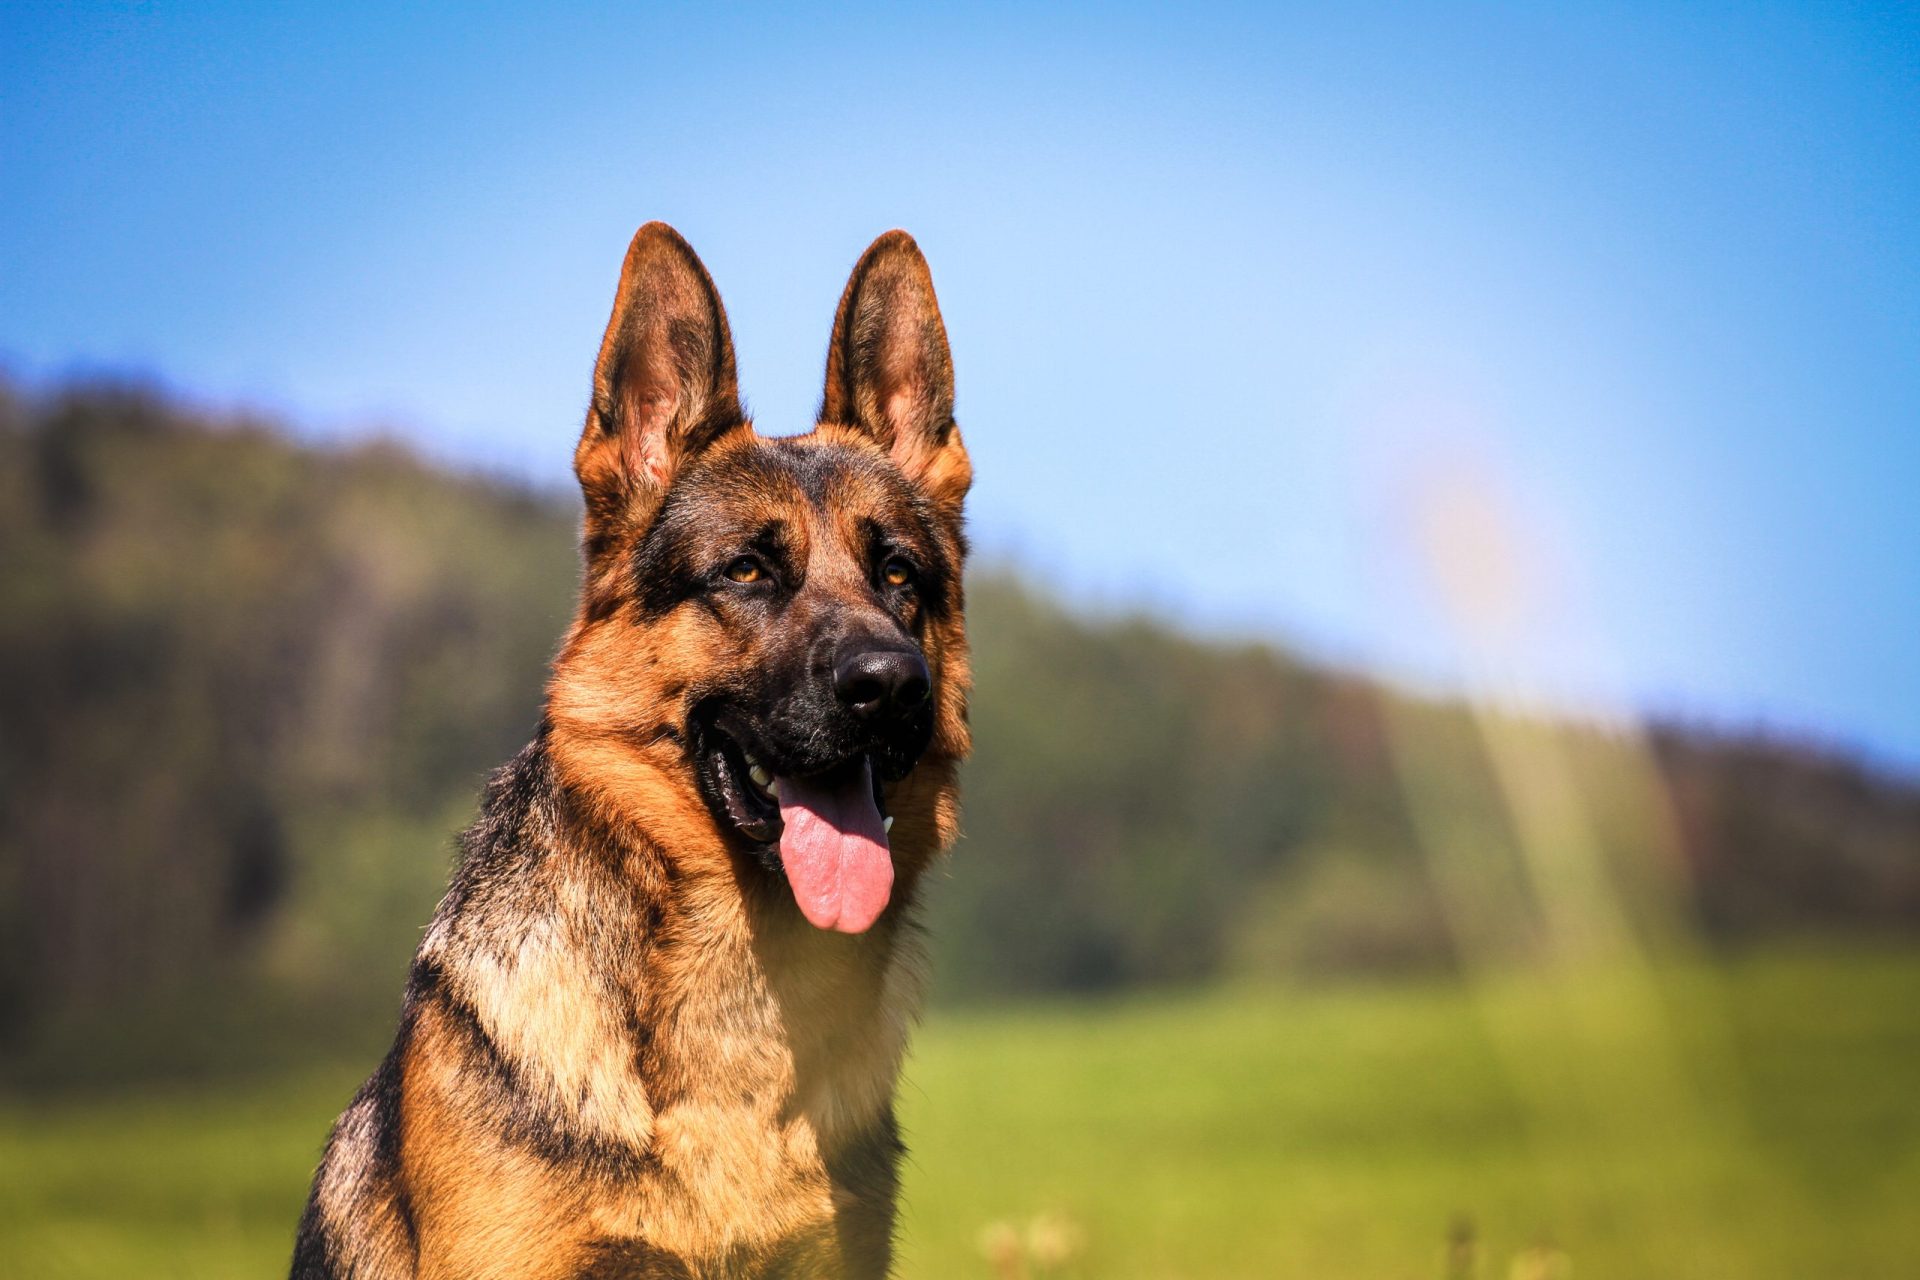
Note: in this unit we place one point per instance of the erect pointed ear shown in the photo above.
(889, 370)
(664, 385)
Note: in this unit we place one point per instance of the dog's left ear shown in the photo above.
(890, 372)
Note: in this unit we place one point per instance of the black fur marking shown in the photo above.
(867, 1169)
(819, 469)
(517, 1113)
(663, 570)
(633, 1260)
(498, 842)
(490, 848)
(936, 570)
(637, 1260)
(313, 1253)
(867, 1172)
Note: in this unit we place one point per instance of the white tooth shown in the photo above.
(773, 788)
(888, 824)
(759, 775)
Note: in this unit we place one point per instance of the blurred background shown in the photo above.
(1447, 793)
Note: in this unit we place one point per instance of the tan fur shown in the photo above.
(481, 1208)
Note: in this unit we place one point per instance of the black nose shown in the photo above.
(876, 684)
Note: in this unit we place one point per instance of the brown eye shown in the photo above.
(897, 572)
(746, 569)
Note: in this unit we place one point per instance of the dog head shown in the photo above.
(769, 662)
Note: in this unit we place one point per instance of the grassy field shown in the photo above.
(1756, 1120)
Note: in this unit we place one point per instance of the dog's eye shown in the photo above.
(746, 569)
(897, 572)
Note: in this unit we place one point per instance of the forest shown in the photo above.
(250, 687)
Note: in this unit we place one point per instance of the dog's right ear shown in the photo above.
(663, 387)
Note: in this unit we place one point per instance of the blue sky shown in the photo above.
(1246, 303)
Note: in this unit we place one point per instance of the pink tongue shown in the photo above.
(834, 847)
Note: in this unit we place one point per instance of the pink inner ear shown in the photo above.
(653, 462)
(911, 449)
(650, 413)
(899, 409)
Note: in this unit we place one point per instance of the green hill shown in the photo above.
(249, 689)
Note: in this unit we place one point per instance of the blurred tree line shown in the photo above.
(249, 690)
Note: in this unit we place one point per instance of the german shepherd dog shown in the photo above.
(655, 1025)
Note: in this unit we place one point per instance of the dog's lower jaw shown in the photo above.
(649, 790)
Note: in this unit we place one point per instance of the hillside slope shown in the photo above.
(250, 688)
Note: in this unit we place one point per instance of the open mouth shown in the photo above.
(827, 828)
